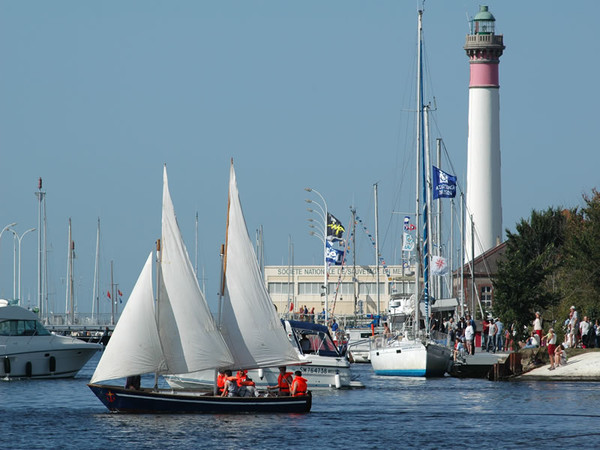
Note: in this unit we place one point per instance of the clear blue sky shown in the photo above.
(96, 96)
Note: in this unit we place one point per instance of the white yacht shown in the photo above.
(29, 350)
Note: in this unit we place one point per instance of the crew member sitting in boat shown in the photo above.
(221, 378)
(231, 388)
(133, 382)
(284, 381)
(247, 387)
(299, 386)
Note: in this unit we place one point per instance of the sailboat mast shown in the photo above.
(224, 252)
(426, 217)
(96, 290)
(377, 248)
(418, 181)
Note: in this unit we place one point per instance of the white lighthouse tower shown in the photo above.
(484, 201)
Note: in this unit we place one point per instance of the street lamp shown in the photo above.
(6, 228)
(324, 240)
(20, 238)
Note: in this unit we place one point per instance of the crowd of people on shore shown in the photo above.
(495, 337)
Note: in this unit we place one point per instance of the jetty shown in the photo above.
(534, 364)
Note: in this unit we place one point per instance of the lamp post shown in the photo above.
(324, 217)
(20, 238)
(6, 228)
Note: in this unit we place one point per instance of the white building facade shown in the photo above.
(352, 290)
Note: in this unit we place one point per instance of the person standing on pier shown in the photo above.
(551, 342)
(537, 325)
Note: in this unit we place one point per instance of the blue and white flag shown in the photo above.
(333, 256)
(444, 184)
(408, 242)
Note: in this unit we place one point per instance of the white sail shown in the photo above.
(189, 336)
(134, 346)
(250, 324)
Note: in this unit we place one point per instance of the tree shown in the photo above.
(580, 277)
(524, 282)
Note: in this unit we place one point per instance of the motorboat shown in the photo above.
(359, 345)
(29, 350)
(321, 363)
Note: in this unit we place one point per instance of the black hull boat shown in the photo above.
(149, 401)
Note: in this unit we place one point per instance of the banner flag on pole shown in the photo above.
(439, 265)
(444, 184)
(335, 229)
(333, 256)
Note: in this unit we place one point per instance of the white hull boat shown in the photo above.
(29, 350)
(409, 357)
(359, 345)
(321, 363)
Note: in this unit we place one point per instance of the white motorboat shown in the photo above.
(359, 345)
(321, 362)
(29, 350)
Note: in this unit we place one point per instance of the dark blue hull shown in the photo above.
(118, 399)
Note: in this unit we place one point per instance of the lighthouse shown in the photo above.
(484, 201)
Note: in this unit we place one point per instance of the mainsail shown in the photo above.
(249, 324)
(190, 338)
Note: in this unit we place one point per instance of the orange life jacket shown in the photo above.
(242, 379)
(221, 377)
(299, 384)
(282, 382)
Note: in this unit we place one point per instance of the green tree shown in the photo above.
(580, 276)
(525, 279)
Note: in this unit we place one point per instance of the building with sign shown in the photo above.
(351, 289)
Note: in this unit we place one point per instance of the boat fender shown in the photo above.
(28, 369)
(52, 364)
(6, 365)
(338, 381)
(261, 373)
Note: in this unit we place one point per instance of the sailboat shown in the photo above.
(176, 333)
(412, 352)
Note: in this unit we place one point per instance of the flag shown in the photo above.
(408, 242)
(108, 294)
(335, 230)
(444, 184)
(120, 293)
(439, 265)
(407, 225)
(333, 256)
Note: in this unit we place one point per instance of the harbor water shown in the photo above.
(389, 413)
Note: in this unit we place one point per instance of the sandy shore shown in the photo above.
(581, 367)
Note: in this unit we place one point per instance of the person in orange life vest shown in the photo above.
(284, 381)
(247, 387)
(230, 388)
(299, 386)
(221, 377)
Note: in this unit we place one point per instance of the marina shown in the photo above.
(445, 324)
